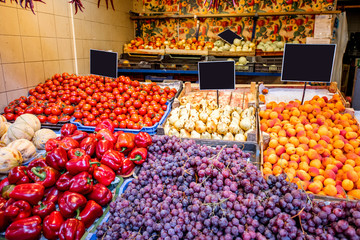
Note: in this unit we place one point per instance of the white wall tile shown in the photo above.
(49, 49)
(34, 73)
(11, 49)
(51, 68)
(12, 95)
(29, 25)
(32, 49)
(9, 22)
(63, 29)
(47, 25)
(14, 75)
(3, 101)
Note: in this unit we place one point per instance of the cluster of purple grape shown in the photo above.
(189, 191)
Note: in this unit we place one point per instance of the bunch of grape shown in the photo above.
(189, 191)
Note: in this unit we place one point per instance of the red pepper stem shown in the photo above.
(78, 153)
(77, 214)
(138, 157)
(123, 149)
(42, 206)
(97, 163)
(36, 170)
(89, 180)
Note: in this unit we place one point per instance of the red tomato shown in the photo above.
(55, 111)
(68, 110)
(135, 118)
(122, 124)
(137, 104)
(142, 111)
(64, 118)
(78, 115)
(53, 119)
(164, 107)
(163, 101)
(42, 118)
(10, 116)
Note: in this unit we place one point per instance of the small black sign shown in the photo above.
(308, 62)
(103, 63)
(229, 36)
(217, 75)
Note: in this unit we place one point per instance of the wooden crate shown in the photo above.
(146, 51)
(332, 89)
(187, 52)
(259, 52)
(231, 54)
(251, 90)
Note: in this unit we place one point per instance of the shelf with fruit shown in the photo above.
(90, 99)
(316, 144)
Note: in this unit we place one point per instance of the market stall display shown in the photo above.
(205, 120)
(91, 99)
(203, 193)
(75, 177)
(315, 144)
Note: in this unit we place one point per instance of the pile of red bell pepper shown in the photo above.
(63, 193)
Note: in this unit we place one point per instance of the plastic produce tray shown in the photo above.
(268, 64)
(149, 130)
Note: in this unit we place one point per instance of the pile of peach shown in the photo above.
(315, 144)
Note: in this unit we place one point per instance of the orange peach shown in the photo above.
(316, 163)
(300, 151)
(312, 143)
(273, 115)
(282, 133)
(277, 170)
(303, 175)
(304, 166)
(350, 162)
(294, 165)
(280, 150)
(338, 144)
(294, 141)
(313, 171)
(283, 163)
(354, 194)
(347, 184)
(290, 150)
(273, 143)
(330, 190)
(295, 158)
(312, 154)
(273, 158)
(329, 181)
(329, 174)
(304, 146)
(340, 190)
(348, 148)
(290, 132)
(319, 178)
(305, 159)
(303, 139)
(283, 140)
(303, 185)
(347, 167)
(315, 187)
(319, 148)
(352, 175)
(267, 171)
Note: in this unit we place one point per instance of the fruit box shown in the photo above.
(187, 52)
(249, 99)
(290, 92)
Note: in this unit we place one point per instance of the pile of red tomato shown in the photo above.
(91, 99)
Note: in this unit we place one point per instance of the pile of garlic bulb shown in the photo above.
(205, 120)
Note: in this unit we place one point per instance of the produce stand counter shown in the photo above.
(189, 72)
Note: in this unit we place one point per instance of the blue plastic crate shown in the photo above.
(150, 130)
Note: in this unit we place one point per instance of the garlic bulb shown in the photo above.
(222, 128)
(240, 137)
(229, 137)
(195, 134)
(206, 135)
(174, 132)
(189, 125)
(216, 136)
(184, 133)
(210, 126)
(245, 123)
(234, 128)
(200, 126)
(203, 116)
(179, 124)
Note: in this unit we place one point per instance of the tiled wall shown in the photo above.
(34, 47)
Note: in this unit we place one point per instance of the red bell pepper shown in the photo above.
(143, 140)
(43, 209)
(102, 147)
(100, 194)
(79, 135)
(18, 175)
(82, 183)
(67, 129)
(8, 203)
(89, 145)
(90, 213)
(113, 159)
(138, 155)
(127, 167)
(92, 166)
(2, 203)
(64, 182)
(116, 134)
(105, 134)
(24, 229)
(4, 221)
(105, 124)
(78, 165)
(69, 202)
(57, 158)
(51, 195)
(39, 162)
(47, 176)
(125, 142)
(68, 143)
(72, 229)
(30, 192)
(18, 210)
(51, 144)
(103, 174)
(4, 183)
(75, 153)
(52, 224)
